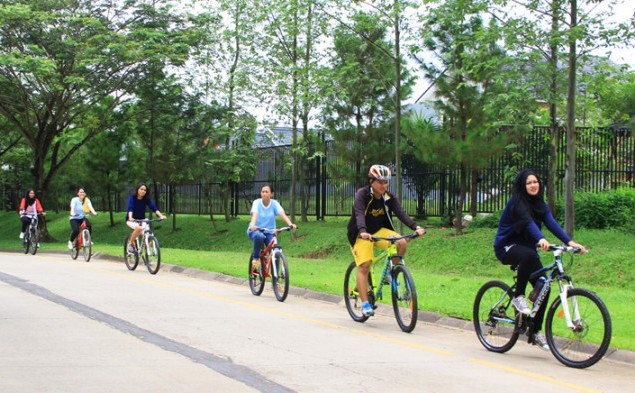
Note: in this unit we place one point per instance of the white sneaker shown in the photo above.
(520, 303)
(21, 235)
(540, 341)
(70, 245)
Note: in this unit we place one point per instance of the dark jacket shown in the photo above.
(363, 199)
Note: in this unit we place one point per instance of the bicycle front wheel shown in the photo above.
(33, 240)
(26, 241)
(586, 342)
(152, 254)
(131, 258)
(256, 278)
(351, 295)
(87, 248)
(495, 317)
(404, 298)
(280, 276)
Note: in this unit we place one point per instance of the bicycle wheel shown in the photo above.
(404, 298)
(280, 276)
(495, 317)
(26, 241)
(351, 295)
(152, 254)
(33, 240)
(587, 341)
(74, 251)
(87, 245)
(131, 259)
(256, 278)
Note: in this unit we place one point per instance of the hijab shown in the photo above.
(526, 207)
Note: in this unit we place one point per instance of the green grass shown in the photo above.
(448, 269)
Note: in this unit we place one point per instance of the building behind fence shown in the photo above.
(605, 160)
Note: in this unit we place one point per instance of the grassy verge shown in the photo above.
(448, 269)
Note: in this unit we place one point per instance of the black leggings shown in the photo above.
(26, 221)
(528, 261)
(75, 224)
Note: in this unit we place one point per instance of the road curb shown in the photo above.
(613, 354)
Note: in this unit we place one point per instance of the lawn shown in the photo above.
(447, 268)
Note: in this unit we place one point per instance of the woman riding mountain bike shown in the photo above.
(372, 216)
(137, 211)
(30, 206)
(79, 207)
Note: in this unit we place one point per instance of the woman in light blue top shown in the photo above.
(80, 205)
(263, 215)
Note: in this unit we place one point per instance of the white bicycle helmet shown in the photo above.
(379, 172)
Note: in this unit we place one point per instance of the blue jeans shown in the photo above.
(260, 239)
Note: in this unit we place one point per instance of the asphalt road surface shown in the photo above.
(70, 326)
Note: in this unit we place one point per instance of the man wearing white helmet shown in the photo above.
(372, 215)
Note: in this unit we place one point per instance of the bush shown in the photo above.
(609, 209)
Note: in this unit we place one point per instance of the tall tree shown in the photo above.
(66, 67)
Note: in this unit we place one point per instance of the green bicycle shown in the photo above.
(402, 286)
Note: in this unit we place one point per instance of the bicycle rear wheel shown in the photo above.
(495, 317)
(33, 241)
(256, 278)
(26, 241)
(87, 245)
(131, 259)
(152, 254)
(587, 341)
(280, 275)
(74, 251)
(404, 298)
(351, 295)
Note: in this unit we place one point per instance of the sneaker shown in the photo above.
(131, 248)
(520, 303)
(70, 245)
(367, 309)
(539, 340)
(21, 235)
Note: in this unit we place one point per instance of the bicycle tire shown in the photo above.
(280, 275)
(152, 254)
(74, 251)
(131, 260)
(87, 245)
(256, 278)
(494, 324)
(404, 298)
(351, 296)
(26, 241)
(578, 347)
(33, 240)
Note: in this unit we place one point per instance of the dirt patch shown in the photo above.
(318, 254)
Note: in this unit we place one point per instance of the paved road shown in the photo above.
(69, 326)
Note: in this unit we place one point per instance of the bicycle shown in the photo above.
(574, 323)
(82, 242)
(273, 263)
(402, 286)
(31, 239)
(146, 245)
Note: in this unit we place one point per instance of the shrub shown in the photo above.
(609, 209)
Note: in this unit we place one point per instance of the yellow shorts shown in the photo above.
(363, 249)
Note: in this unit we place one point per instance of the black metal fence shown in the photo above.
(605, 159)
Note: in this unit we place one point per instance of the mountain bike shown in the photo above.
(273, 263)
(577, 324)
(82, 242)
(31, 239)
(146, 246)
(397, 276)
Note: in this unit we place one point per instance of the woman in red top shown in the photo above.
(29, 206)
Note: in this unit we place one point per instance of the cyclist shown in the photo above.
(263, 215)
(519, 230)
(29, 206)
(79, 207)
(137, 211)
(372, 215)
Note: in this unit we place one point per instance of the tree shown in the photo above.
(65, 68)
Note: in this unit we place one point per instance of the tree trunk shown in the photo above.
(569, 205)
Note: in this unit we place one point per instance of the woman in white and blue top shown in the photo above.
(80, 205)
(263, 215)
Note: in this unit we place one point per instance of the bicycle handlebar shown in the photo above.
(148, 220)
(563, 247)
(393, 239)
(278, 230)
